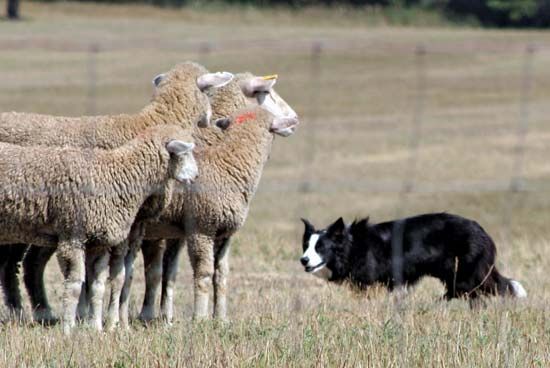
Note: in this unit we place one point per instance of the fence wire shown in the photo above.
(314, 122)
(403, 184)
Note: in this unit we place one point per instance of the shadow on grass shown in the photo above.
(4, 18)
(9, 323)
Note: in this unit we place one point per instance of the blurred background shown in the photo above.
(406, 107)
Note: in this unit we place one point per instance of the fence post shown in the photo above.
(315, 96)
(516, 184)
(92, 79)
(305, 184)
(522, 128)
(205, 48)
(418, 115)
(408, 185)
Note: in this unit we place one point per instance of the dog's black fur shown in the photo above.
(451, 248)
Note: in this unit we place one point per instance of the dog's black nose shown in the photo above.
(304, 260)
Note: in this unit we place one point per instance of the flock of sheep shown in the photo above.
(96, 190)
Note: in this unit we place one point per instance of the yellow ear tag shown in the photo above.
(270, 77)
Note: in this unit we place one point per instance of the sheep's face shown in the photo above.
(182, 161)
(206, 114)
(260, 92)
(182, 89)
(260, 120)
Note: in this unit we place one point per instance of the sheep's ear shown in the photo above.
(214, 80)
(159, 78)
(179, 147)
(223, 123)
(258, 84)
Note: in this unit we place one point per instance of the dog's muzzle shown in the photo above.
(305, 262)
(310, 269)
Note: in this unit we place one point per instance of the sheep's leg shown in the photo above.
(125, 292)
(116, 279)
(34, 264)
(201, 253)
(153, 252)
(71, 256)
(135, 239)
(170, 264)
(221, 263)
(97, 267)
(10, 256)
(84, 301)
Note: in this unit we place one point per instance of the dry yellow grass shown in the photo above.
(352, 151)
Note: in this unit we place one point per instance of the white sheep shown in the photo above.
(177, 100)
(245, 90)
(217, 205)
(73, 199)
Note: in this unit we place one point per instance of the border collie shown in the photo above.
(397, 253)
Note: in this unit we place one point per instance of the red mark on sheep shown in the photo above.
(245, 117)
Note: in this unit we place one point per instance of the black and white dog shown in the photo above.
(451, 248)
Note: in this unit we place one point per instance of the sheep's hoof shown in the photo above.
(124, 325)
(45, 318)
(47, 322)
(146, 318)
(110, 327)
(221, 320)
(200, 316)
(16, 317)
(67, 328)
(168, 320)
(145, 322)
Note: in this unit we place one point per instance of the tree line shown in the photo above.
(494, 13)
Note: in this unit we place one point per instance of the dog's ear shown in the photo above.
(363, 223)
(308, 227)
(337, 230)
(359, 227)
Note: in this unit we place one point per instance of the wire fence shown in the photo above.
(318, 79)
(412, 128)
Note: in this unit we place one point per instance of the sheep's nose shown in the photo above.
(304, 261)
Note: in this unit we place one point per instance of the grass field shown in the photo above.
(360, 103)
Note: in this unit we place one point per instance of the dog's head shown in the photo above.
(323, 248)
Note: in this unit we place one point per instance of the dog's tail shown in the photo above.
(506, 286)
(517, 289)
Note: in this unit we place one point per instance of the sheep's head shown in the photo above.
(184, 165)
(178, 146)
(260, 119)
(247, 90)
(259, 91)
(182, 89)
